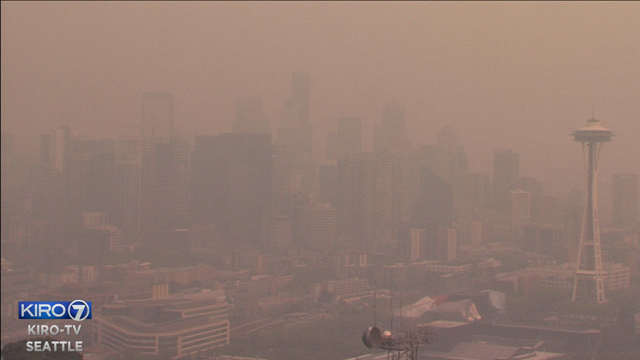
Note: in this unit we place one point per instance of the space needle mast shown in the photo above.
(589, 280)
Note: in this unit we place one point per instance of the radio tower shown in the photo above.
(589, 283)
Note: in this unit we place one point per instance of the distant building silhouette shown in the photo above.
(625, 201)
(328, 183)
(520, 208)
(171, 184)
(450, 161)
(232, 185)
(294, 136)
(447, 245)
(506, 172)
(433, 209)
(368, 198)
(535, 188)
(318, 226)
(391, 132)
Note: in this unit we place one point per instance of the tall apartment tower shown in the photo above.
(294, 135)
(368, 198)
(231, 185)
(589, 280)
(447, 244)
(319, 226)
(391, 132)
(450, 160)
(520, 208)
(506, 170)
(625, 201)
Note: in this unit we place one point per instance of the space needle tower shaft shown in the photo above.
(589, 280)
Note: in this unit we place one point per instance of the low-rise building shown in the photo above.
(177, 326)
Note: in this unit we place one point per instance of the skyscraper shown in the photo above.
(368, 198)
(625, 201)
(535, 188)
(417, 242)
(127, 173)
(294, 136)
(506, 172)
(232, 185)
(520, 208)
(433, 209)
(447, 244)
(450, 160)
(318, 227)
(381, 199)
(171, 184)
(391, 132)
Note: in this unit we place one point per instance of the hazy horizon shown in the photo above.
(502, 75)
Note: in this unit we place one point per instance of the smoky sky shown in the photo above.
(504, 75)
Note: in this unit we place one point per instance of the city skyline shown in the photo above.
(267, 180)
(439, 73)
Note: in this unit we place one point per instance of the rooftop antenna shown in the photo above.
(400, 320)
(391, 301)
(375, 302)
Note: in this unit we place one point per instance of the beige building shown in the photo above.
(178, 326)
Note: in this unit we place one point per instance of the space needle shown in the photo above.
(589, 280)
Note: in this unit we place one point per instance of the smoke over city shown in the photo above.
(213, 180)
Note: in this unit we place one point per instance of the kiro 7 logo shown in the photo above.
(77, 310)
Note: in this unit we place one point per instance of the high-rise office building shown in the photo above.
(535, 188)
(450, 160)
(62, 136)
(543, 239)
(506, 172)
(171, 183)
(368, 198)
(349, 200)
(231, 186)
(625, 201)
(127, 174)
(318, 227)
(447, 244)
(54, 148)
(417, 242)
(281, 231)
(381, 198)
(391, 132)
(328, 183)
(249, 117)
(433, 209)
(412, 163)
(294, 136)
(520, 208)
